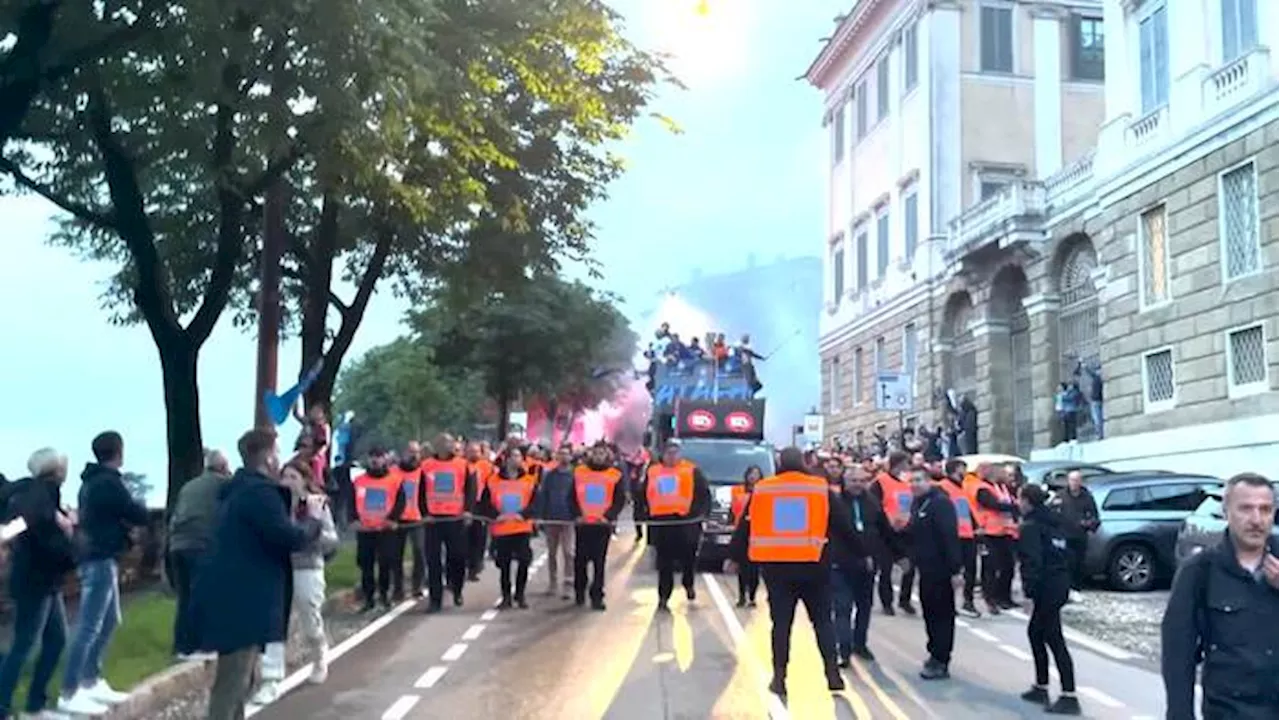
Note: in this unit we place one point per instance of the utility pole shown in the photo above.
(273, 231)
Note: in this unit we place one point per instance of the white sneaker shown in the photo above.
(101, 692)
(80, 704)
(1074, 596)
(319, 673)
(268, 692)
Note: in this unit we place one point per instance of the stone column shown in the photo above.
(1047, 48)
(995, 386)
(1042, 311)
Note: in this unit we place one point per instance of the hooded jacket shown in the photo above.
(43, 555)
(107, 512)
(1042, 557)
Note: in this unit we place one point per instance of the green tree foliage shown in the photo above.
(543, 337)
(398, 393)
(137, 485)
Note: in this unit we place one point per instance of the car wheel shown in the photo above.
(1132, 568)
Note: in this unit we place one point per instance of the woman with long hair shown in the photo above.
(748, 572)
(507, 498)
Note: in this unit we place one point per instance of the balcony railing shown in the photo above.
(1237, 80)
(1147, 127)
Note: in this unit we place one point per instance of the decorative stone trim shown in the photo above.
(984, 327)
(1040, 303)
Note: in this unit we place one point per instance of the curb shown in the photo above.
(149, 697)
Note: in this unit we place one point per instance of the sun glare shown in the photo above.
(706, 40)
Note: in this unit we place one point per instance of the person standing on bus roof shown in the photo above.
(676, 493)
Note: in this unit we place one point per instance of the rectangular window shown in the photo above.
(857, 376)
(880, 355)
(910, 58)
(834, 394)
(1154, 257)
(882, 87)
(837, 135)
(996, 31)
(910, 224)
(1247, 360)
(1239, 28)
(860, 109)
(882, 244)
(1238, 217)
(860, 253)
(837, 272)
(990, 188)
(1153, 66)
(1158, 385)
(1087, 48)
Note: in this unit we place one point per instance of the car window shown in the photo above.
(1123, 499)
(1211, 506)
(1167, 497)
(725, 462)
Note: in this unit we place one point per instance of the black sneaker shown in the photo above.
(663, 607)
(751, 603)
(778, 687)
(843, 662)
(457, 599)
(368, 607)
(520, 603)
(864, 654)
(742, 602)
(1064, 705)
(907, 608)
(598, 605)
(473, 576)
(384, 603)
(888, 610)
(505, 604)
(1037, 695)
(579, 601)
(934, 670)
(835, 681)
(690, 594)
(970, 610)
(433, 607)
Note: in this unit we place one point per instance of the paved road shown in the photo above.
(705, 660)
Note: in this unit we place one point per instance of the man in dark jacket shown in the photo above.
(935, 549)
(552, 503)
(190, 537)
(1079, 518)
(107, 513)
(241, 591)
(853, 568)
(42, 557)
(1046, 581)
(1223, 613)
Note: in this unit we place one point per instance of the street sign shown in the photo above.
(894, 392)
(813, 427)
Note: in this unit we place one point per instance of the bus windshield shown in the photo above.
(724, 461)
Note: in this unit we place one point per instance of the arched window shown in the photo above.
(1078, 320)
(962, 367)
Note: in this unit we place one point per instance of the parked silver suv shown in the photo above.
(1204, 527)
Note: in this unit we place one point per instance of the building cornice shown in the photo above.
(840, 41)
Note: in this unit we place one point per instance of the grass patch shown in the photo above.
(142, 646)
(342, 573)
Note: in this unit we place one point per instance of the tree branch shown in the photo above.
(81, 212)
(294, 273)
(20, 71)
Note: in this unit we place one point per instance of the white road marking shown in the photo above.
(431, 676)
(1015, 652)
(1099, 697)
(454, 652)
(473, 632)
(488, 615)
(1079, 638)
(300, 675)
(962, 623)
(777, 711)
(400, 708)
(984, 635)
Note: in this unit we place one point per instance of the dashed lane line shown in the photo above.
(400, 708)
(1016, 652)
(488, 615)
(1100, 697)
(431, 677)
(454, 652)
(1079, 638)
(473, 632)
(984, 635)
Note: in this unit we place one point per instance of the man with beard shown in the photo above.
(409, 532)
(675, 491)
(595, 502)
(445, 499)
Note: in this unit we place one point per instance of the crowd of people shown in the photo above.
(683, 356)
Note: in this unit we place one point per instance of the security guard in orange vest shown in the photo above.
(477, 534)
(674, 489)
(380, 501)
(958, 485)
(446, 498)
(996, 512)
(595, 501)
(409, 533)
(894, 495)
(508, 499)
(790, 519)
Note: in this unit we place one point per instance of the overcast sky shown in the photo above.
(744, 177)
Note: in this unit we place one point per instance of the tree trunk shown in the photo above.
(503, 401)
(178, 363)
(553, 421)
(318, 280)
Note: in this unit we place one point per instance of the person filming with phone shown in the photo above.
(1222, 615)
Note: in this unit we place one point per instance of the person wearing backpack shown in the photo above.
(1223, 615)
(1046, 583)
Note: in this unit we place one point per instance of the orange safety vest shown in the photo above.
(788, 519)
(895, 496)
(375, 496)
(670, 489)
(963, 506)
(993, 522)
(483, 470)
(410, 480)
(511, 496)
(445, 485)
(738, 504)
(594, 490)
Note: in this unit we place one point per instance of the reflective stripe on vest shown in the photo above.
(788, 517)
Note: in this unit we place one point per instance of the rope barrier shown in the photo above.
(536, 521)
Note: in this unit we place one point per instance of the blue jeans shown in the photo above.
(99, 615)
(851, 590)
(1095, 414)
(37, 616)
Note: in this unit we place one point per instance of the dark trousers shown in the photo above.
(969, 555)
(1076, 548)
(508, 549)
(789, 586)
(884, 568)
(591, 548)
(233, 683)
(851, 598)
(446, 550)
(677, 548)
(748, 581)
(477, 540)
(997, 569)
(183, 566)
(1044, 631)
(375, 555)
(38, 617)
(938, 604)
(412, 537)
